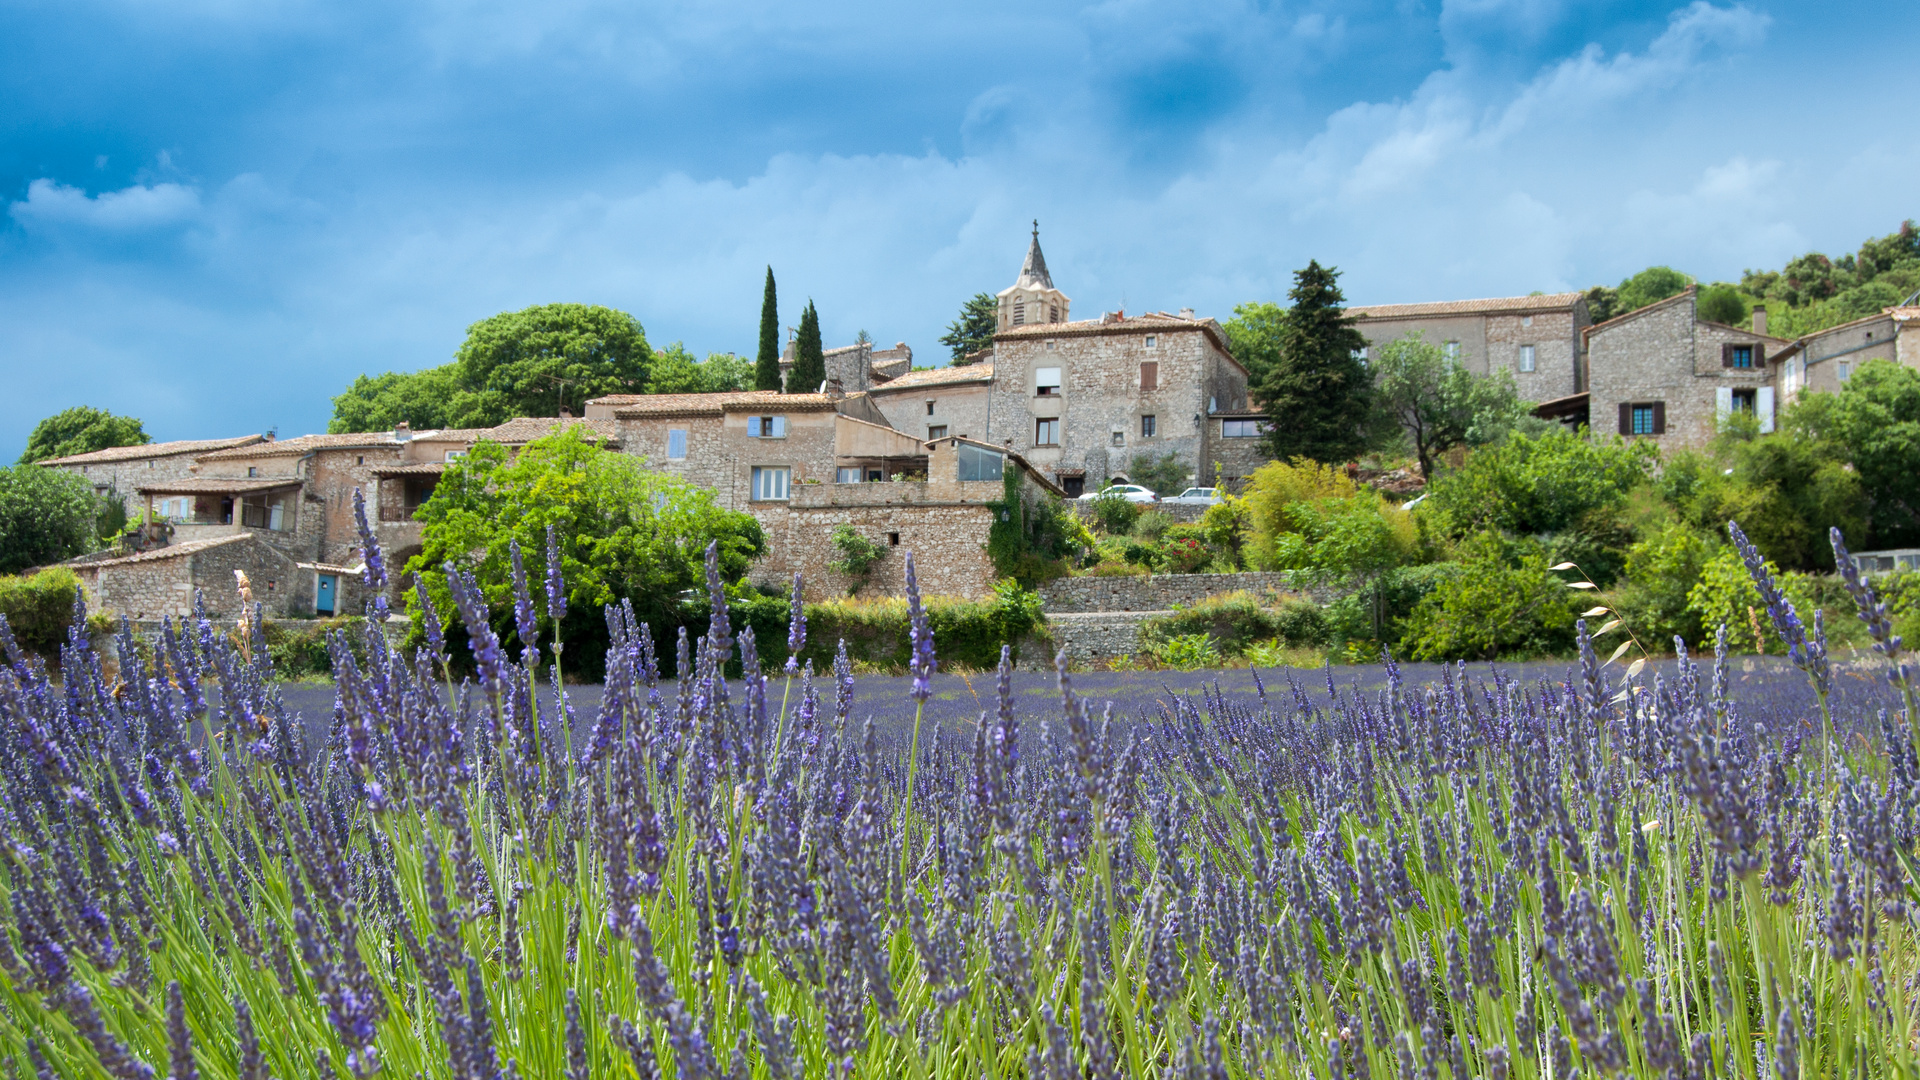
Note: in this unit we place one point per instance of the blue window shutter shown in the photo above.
(753, 427)
(779, 427)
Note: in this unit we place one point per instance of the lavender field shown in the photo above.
(1547, 871)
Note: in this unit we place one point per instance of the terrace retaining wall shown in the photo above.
(1156, 592)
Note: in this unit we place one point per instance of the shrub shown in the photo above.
(1529, 486)
(1661, 570)
(1184, 550)
(1165, 474)
(1225, 526)
(299, 649)
(1114, 514)
(46, 515)
(1277, 653)
(1030, 541)
(1116, 568)
(1151, 524)
(1187, 652)
(970, 632)
(1237, 620)
(1499, 599)
(1725, 595)
(858, 554)
(1273, 490)
(39, 609)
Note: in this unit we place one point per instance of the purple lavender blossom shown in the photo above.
(556, 582)
(1808, 656)
(525, 621)
(922, 663)
(374, 576)
(796, 628)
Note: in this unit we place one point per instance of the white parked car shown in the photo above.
(1130, 492)
(1196, 497)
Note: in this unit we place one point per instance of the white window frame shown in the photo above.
(1150, 341)
(848, 474)
(771, 483)
(1037, 430)
(1042, 381)
(1242, 429)
(1450, 350)
(1526, 361)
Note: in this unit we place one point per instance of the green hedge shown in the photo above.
(39, 609)
(1237, 620)
(965, 632)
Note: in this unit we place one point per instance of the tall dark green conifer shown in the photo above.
(809, 356)
(766, 367)
(1318, 392)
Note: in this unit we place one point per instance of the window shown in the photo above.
(1046, 432)
(1148, 424)
(846, 475)
(1119, 437)
(874, 476)
(1643, 418)
(766, 427)
(455, 455)
(1149, 376)
(936, 431)
(1451, 350)
(1526, 320)
(1046, 381)
(893, 539)
(1844, 371)
(1526, 358)
(676, 444)
(1019, 314)
(770, 484)
(253, 470)
(980, 463)
(1049, 346)
(360, 459)
(929, 408)
(1053, 313)
(1149, 341)
(1742, 356)
(1242, 429)
(1742, 401)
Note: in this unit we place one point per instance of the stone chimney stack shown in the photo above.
(1759, 318)
(402, 431)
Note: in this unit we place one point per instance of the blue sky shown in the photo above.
(217, 212)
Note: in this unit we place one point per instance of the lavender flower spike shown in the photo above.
(374, 576)
(1808, 656)
(524, 619)
(556, 583)
(796, 628)
(1873, 611)
(922, 662)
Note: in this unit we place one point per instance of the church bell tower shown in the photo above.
(1032, 299)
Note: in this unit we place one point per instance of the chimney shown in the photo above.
(833, 390)
(566, 413)
(1760, 318)
(1186, 313)
(402, 431)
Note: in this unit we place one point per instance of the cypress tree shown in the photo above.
(766, 368)
(1319, 392)
(809, 357)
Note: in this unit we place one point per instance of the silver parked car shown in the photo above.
(1196, 497)
(1130, 492)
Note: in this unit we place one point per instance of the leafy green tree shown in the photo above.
(628, 533)
(809, 356)
(82, 430)
(39, 609)
(1498, 599)
(1255, 333)
(1534, 485)
(46, 516)
(1348, 542)
(1650, 286)
(1165, 473)
(1873, 425)
(766, 366)
(421, 399)
(973, 330)
(1603, 303)
(1661, 571)
(1722, 304)
(1318, 392)
(1437, 404)
(1887, 252)
(537, 360)
(675, 371)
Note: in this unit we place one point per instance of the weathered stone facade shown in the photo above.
(1822, 362)
(1123, 388)
(1536, 338)
(1665, 374)
(122, 469)
(938, 403)
(165, 581)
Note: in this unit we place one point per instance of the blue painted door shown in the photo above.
(323, 594)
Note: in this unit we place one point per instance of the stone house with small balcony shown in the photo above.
(1664, 373)
(119, 470)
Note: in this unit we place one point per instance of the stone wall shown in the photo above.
(122, 477)
(1818, 367)
(948, 541)
(959, 407)
(1157, 592)
(1489, 339)
(163, 582)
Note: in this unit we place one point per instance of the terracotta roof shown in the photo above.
(171, 551)
(1150, 323)
(461, 434)
(1236, 414)
(424, 468)
(152, 450)
(525, 429)
(713, 404)
(1903, 314)
(940, 376)
(203, 485)
(305, 444)
(1494, 306)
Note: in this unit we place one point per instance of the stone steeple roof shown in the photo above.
(1033, 272)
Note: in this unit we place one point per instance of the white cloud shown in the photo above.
(140, 207)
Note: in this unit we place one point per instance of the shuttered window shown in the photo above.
(1643, 418)
(1149, 376)
(676, 444)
